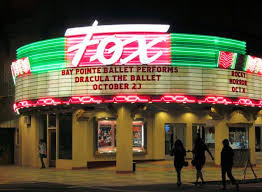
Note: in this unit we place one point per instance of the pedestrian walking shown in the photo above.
(179, 153)
(199, 157)
(227, 155)
(42, 152)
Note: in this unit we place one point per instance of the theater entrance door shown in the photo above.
(174, 131)
(52, 147)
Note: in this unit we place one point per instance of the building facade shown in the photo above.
(123, 93)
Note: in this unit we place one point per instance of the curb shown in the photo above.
(246, 181)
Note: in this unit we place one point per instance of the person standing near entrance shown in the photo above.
(179, 153)
(42, 152)
(227, 155)
(199, 158)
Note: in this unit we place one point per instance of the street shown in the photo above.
(55, 187)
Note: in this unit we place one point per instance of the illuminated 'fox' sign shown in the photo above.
(117, 45)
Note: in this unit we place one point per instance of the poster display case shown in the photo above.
(238, 140)
(138, 136)
(106, 136)
(238, 137)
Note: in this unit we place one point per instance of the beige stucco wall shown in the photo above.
(83, 140)
(189, 118)
(222, 132)
(29, 139)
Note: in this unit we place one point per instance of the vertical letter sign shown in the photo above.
(118, 45)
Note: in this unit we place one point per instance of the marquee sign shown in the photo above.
(141, 80)
(135, 63)
(130, 45)
(110, 84)
(96, 45)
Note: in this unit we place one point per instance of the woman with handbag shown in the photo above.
(199, 157)
(42, 152)
(179, 153)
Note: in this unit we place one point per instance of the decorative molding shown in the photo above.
(82, 115)
(255, 113)
(243, 111)
(247, 125)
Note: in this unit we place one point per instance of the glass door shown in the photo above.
(208, 136)
(52, 147)
(258, 133)
(174, 131)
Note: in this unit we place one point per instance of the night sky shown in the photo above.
(26, 21)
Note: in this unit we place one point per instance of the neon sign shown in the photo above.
(20, 67)
(137, 99)
(128, 45)
(254, 65)
(101, 45)
(130, 59)
(226, 59)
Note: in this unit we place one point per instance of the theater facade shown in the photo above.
(124, 93)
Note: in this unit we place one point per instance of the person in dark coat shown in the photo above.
(227, 155)
(199, 157)
(179, 153)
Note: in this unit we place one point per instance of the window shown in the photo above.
(43, 127)
(210, 137)
(17, 136)
(238, 137)
(174, 131)
(258, 139)
(51, 120)
(206, 133)
(65, 136)
(198, 129)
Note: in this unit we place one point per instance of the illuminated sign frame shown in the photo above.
(128, 45)
(137, 99)
(144, 44)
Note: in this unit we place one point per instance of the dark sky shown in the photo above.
(37, 20)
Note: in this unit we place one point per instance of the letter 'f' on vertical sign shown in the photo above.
(82, 46)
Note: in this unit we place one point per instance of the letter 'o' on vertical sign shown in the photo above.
(116, 50)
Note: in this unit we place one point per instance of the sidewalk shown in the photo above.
(147, 173)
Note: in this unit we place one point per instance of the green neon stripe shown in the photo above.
(190, 56)
(47, 57)
(186, 50)
(44, 55)
(42, 46)
(53, 66)
(200, 64)
(213, 42)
